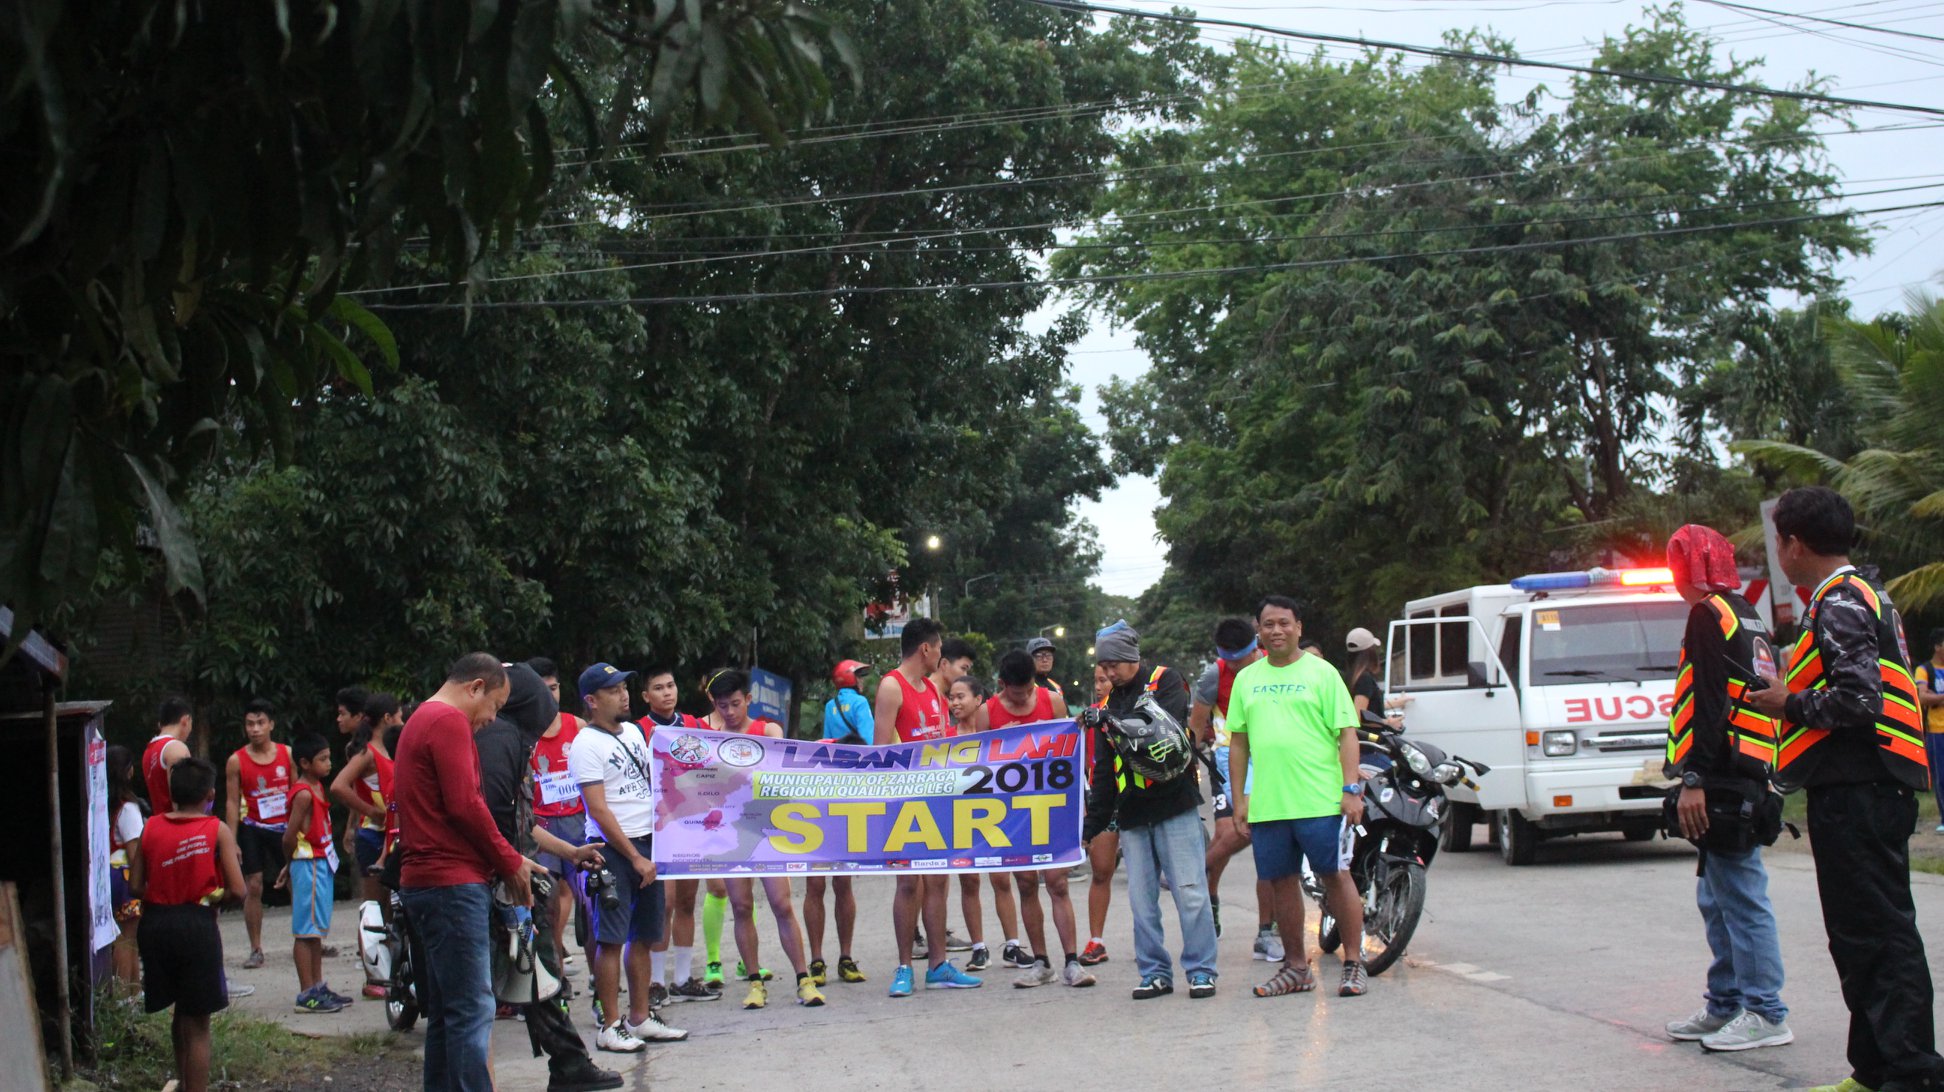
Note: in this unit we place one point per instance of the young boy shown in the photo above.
(186, 865)
(313, 863)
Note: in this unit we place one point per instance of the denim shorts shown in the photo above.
(1281, 844)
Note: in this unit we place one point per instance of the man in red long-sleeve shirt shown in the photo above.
(452, 850)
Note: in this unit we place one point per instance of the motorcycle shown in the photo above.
(1404, 801)
(402, 957)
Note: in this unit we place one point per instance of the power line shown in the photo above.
(1120, 278)
(863, 247)
(1832, 22)
(1081, 7)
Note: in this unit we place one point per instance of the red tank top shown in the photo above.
(315, 842)
(998, 716)
(384, 763)
(921, 715)
(1224, 684)
(265, 787)
(555, 796)
(758, 727)
(155, 777)
(179, 861)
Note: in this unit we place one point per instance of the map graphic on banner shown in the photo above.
(740, 805)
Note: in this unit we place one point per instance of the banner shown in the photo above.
(740, 805)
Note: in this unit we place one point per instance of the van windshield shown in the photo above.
(1606, 642)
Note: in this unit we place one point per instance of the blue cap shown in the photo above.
(602, 676)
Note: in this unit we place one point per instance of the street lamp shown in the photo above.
(976, 579)
(934, 543)
(1057, 631)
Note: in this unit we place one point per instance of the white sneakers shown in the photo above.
(1077, 976)
(627, 1037)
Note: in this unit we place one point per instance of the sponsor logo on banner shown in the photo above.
(689, 750)
(988, 862)
(741, 752)
(1042, 858)
(929, 862)
(1017, 860)
(961, 862)
(796, 866)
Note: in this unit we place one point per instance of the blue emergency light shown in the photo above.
(1593, 578)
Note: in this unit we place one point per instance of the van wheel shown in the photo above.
(1456, 834)
(1518, 839)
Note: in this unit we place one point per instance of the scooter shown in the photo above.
(400, 957)
(1404, 801)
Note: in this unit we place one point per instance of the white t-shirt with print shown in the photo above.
(619, 763)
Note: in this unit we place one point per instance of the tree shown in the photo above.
(1893, 374)
(1407, 337)
(191, 186)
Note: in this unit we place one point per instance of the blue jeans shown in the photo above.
(1934, 743)
(1171, 848)
(1747, 969)
(456, 984)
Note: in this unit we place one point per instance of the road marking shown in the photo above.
(1463, 970)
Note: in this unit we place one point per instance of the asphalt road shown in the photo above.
(1555, 976)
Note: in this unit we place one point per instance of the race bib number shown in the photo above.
(271, 806)
(556, 788)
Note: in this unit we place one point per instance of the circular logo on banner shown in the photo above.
(689, 750)
(739, 752)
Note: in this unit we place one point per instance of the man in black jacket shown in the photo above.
(505, 751)
(1160, 826)
(1852, 737)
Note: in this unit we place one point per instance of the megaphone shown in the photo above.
(518, 976)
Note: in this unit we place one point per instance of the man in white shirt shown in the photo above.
(609, 761)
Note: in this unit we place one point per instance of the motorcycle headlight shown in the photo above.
(1415, 759)
(1445, 773)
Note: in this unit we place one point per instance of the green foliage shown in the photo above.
(708, 483)
(134, 1053)
(1893, 377)
(1446, 335)
(190, 186)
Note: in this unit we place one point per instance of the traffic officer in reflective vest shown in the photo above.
(1851, 736)
(1721, 748)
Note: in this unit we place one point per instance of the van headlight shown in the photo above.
(1415, 759)
(1557, 744)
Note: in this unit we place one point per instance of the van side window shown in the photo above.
(1509, 647)
(1454, 641)
(1424, 649)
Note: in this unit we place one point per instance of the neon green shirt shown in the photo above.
(1294, 717)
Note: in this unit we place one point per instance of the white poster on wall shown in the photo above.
(101, 903)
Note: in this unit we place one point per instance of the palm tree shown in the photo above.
(1894, 370)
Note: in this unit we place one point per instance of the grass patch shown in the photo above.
(1926, 848)
(136, 1054)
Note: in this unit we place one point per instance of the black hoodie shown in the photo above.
(505, 751)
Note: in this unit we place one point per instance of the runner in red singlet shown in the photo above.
(966, 698)
(729, 692)
(173, 721)
(1022, 701)
(364, 790)
(1103, 854)
(557, 806)
(185, 863)
(257, 778)
(911, 710)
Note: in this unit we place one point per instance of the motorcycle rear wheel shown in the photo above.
(401, 999)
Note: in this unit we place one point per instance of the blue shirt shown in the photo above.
(854, 706)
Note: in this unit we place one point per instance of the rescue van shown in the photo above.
(1563, 684)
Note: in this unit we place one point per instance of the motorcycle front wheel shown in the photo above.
(1391, 911)
(401, 995)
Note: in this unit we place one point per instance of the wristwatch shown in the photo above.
(1691, 779)
(1354, 790)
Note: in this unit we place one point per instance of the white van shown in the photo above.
(1562, 683)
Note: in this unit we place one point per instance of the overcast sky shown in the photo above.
(1861, 64)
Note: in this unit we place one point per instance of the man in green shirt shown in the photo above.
(1290, 712)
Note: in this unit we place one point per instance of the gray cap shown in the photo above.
(1038, 644)
(1118, 643)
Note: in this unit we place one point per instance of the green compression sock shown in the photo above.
(713, 907)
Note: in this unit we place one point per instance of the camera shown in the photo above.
(601, 886)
